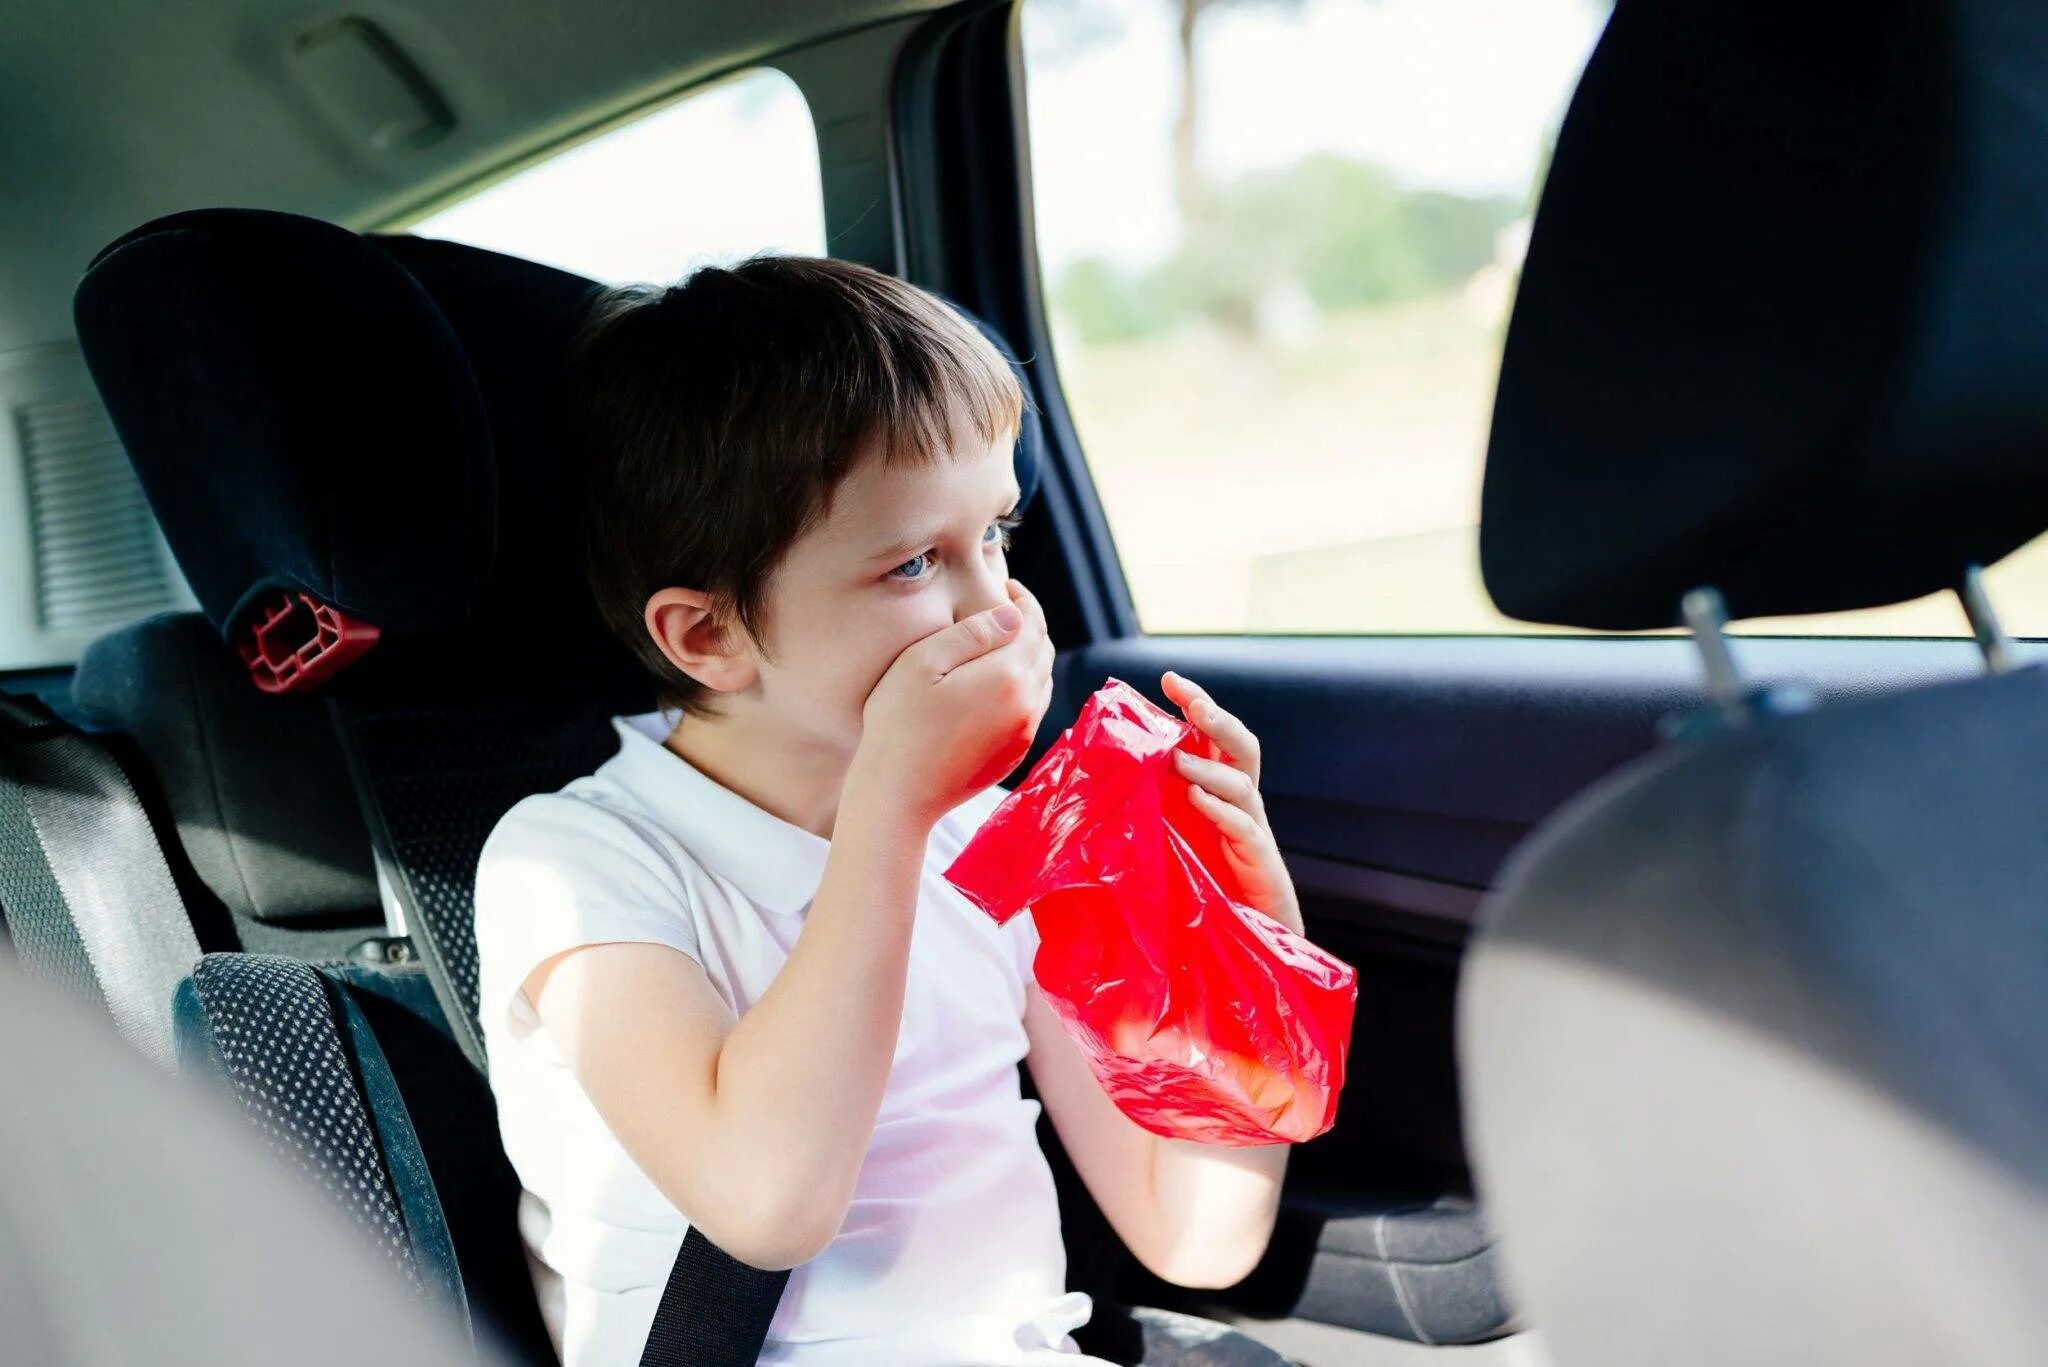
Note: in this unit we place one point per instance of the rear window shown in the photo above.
(720, 173)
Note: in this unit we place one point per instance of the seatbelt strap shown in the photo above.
(715, 1310)
(89, 899)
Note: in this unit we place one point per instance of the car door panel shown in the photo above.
(1398, 774)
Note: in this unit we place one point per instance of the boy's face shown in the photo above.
(906, 549)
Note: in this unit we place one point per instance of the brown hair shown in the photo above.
(713, 419)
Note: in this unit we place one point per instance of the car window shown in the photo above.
(1279, 240)
(718, 174)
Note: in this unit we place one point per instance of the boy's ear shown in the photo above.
(681, 623)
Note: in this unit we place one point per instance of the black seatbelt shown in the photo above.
(89, 900)
(715, 1310)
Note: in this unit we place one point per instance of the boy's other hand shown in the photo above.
(957, 710)
(1224, 786)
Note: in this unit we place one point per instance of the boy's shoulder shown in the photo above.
(588, 821)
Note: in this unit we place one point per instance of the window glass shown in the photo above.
(723, 172)
(1279, 241)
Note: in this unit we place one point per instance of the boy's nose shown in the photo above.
(987, 590)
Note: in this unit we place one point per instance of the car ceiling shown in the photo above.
(117, 111)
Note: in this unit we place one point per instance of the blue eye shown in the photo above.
(1001, 527)
(911, 578)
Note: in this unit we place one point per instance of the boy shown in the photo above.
(723, 974)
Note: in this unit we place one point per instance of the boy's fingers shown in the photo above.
(1224, 731)
(1235, 739)
(967, 639)
(1234, 821)
(1225, 781)
(1027, 600)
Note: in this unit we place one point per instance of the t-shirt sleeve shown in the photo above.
(558, 872)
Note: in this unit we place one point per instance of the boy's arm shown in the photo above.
(755, 1126)
(1194, 1214)
(1197, 1215)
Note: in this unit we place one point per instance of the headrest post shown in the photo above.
(1706, 614)
(1991, 638)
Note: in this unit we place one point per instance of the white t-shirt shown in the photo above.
(951, 1249)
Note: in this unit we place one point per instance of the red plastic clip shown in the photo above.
(293, 641)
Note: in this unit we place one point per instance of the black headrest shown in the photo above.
(1780, 329)
(367, 420)
(371, 419)
(298, 410)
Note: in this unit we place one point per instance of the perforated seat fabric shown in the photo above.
(157, 1230)
(86, 894)
(349, 1074)
(266, 1026)
(440, 776)
(38, 925)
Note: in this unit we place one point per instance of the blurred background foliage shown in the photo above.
(1342, 232)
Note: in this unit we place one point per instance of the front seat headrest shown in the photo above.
(1780, 326)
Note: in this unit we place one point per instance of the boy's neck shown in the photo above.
(799, 782)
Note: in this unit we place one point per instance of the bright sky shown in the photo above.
(712, 177)
(1452, 93)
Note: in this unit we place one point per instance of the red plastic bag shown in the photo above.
(1203, 1018)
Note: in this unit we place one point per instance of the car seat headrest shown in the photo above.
(1778, 330)
(300, 413)
(368, 420)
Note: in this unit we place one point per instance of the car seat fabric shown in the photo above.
(349, 1075)
(437, 776)
(87, 897)
(452, 1116)
(1421, 1268)
(1765, 1009)
(32, 908)
(144, 1223)
(266, 1025)
(1146, 1336)
(256, 786)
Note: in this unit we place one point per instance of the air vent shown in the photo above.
(97, 558)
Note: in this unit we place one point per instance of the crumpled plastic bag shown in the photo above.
(1203, 1018)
